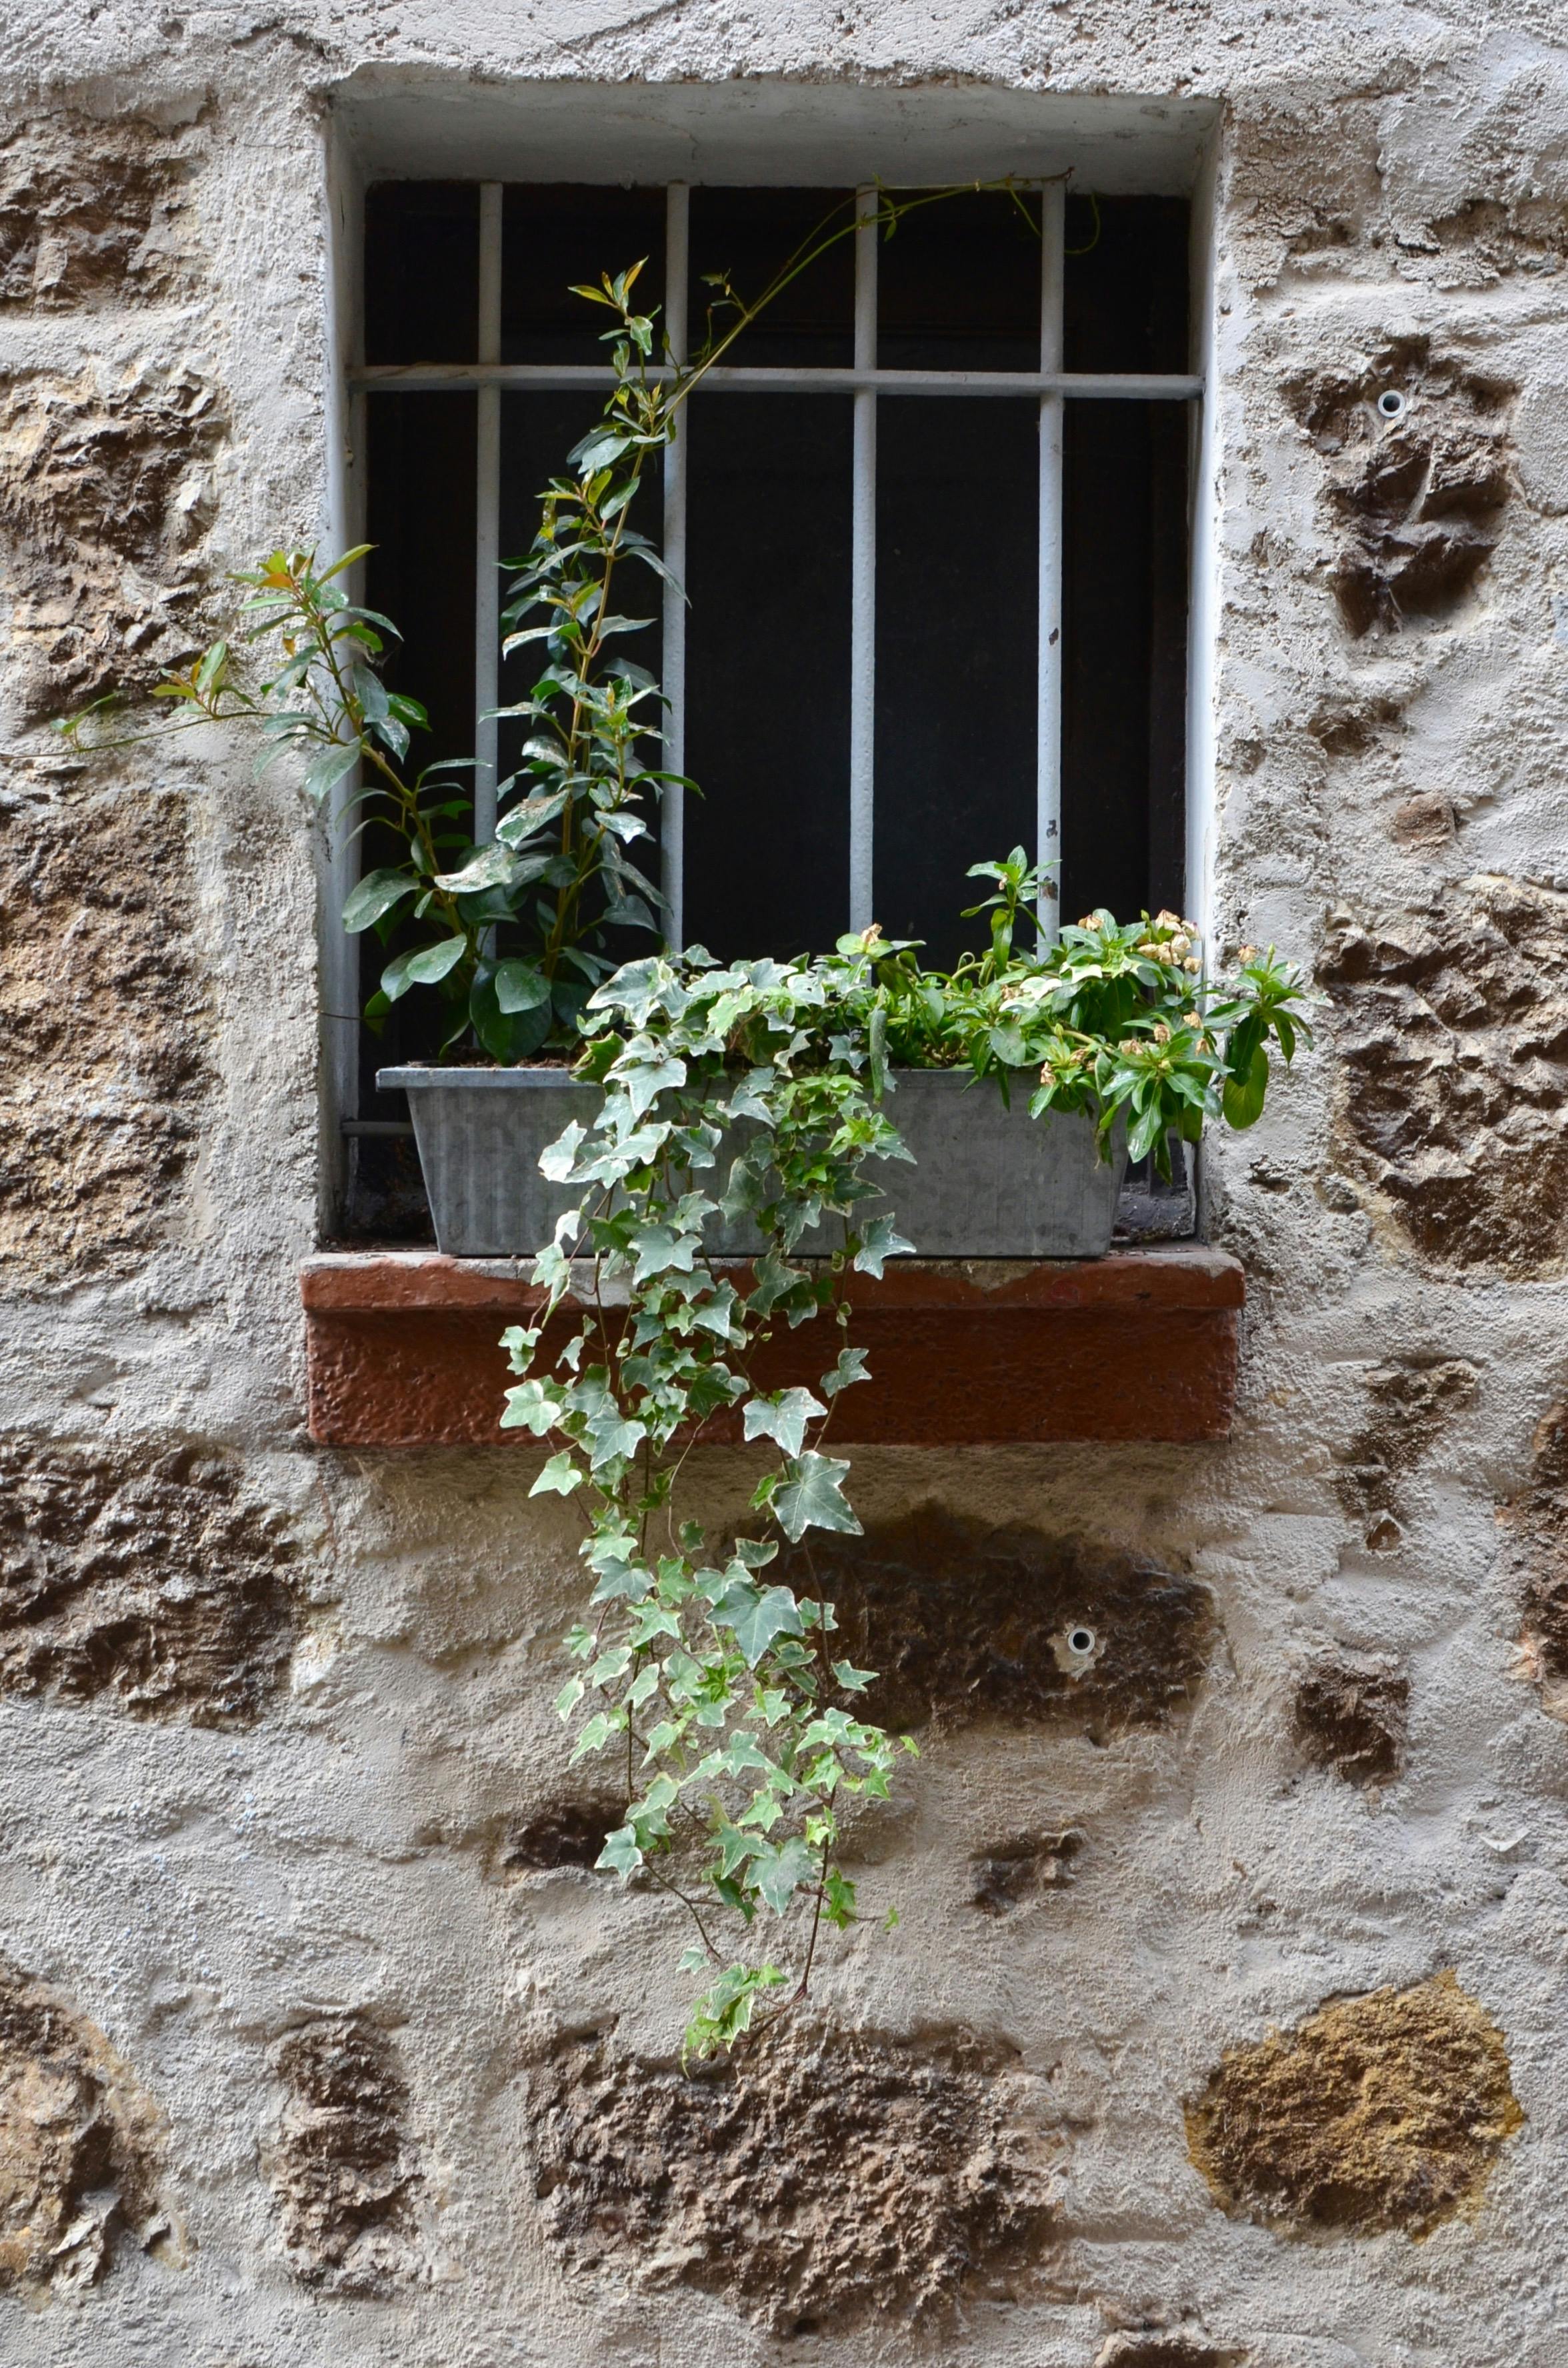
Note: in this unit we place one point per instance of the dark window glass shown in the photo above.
(959, 286)
(421, 519)
(1124, 294)
(559, 235)
(748, 236)
(422, 271)
(1124, 561)
(767, 672)
(1124, 643)
(957, 656)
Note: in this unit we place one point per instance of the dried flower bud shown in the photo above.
(1246, 953)
(1193, 964)
(1130, 1044)
(1088, 922)
(1169, 920)
(1180, 945)
(1191, 1020)
(1162, 1033)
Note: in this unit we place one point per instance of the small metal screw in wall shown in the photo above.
(1392, 404)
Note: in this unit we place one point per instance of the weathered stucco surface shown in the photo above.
(318, 2038)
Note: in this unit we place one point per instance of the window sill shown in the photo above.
(1142, 1345)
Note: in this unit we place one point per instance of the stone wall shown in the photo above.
(1221, 2024)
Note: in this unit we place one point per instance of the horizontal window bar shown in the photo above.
(545, 378)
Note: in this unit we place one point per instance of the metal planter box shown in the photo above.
(987, 1182)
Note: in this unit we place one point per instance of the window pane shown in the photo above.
(957, 661)
(958, 286)
(1124, 640)
(556, 235)
(750, 235)
(422, 271)
(421, 463)
(767, 672)
(1125, 284)
(1124, 588)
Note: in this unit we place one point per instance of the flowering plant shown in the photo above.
(1122, 1021)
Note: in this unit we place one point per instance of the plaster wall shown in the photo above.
(286, 2040)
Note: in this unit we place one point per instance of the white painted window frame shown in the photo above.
(1117, 143)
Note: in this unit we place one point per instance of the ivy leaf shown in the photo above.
(532, 1406)
(560, 1476)
(783, 1416)
(723, 2013)
(778, 1874)
(811, 1497)
(757, 1615)
(663, 1249)
(612, 1434)
(621, 1854)
(643, 1080)
(849, 1367)
(880, 1239)
(557, 1158)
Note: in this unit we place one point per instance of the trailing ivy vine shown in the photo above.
(744, 1097)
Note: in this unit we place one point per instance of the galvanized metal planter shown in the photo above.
(987, 1181)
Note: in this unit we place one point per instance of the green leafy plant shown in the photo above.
(754, 1095)
(719, 1693)
(1121, 1021)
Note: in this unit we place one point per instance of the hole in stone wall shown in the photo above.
(966, 1623)
(1392, 404)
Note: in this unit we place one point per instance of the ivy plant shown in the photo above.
(716, 1690)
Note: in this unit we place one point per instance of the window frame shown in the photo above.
(1119, 145)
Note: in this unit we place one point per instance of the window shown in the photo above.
(932, 516)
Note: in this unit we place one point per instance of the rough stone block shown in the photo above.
(821, 2180)
(966, 1623)
(1452, 1033)
(143, 1577)
(81, 2147)
(106, 494)
(340, 2163)
(1380, 2112)
(103, 1031)
(1418, 498)
(90, 208)
(1351, 1716)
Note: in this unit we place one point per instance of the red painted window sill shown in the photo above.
(403, 1349)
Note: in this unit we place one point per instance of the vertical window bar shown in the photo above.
(863, 576)
(1047, 772)
(487, 551)
(671, 817)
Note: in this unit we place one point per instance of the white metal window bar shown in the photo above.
(1051, 384)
